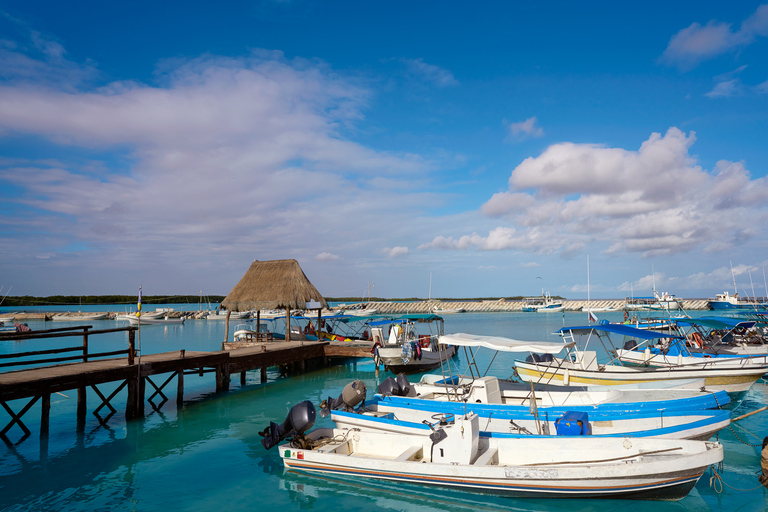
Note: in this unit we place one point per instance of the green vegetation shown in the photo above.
(74, 300)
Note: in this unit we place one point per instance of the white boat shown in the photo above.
(667, 301)
(581, 366)
(723, 335)
(222, 315)
(727, 301)
(142, 320)
(457, 455)
(381, 415)
(248, 333)
(543, 304)
(441, 310)
(79, 317)
(490, 395)
(412, 343)
(359, 310)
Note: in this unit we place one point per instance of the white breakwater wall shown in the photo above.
(507, 306)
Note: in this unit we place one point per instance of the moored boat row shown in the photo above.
(635, 423)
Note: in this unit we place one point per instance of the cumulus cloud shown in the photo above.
(395, 252)
(697, 43)
(524, 129)
(654, 201)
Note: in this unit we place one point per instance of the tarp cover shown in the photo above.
(623, 330)
(719, 322)
(503, 344)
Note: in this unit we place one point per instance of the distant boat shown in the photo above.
(222, 315)
(80, 317)
(405, 350)
(543, 304)
(440, 310)
(727, 301)
(134, 320)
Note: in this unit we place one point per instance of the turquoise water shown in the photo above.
(207, 455)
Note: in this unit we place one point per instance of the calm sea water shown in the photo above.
(207, 456)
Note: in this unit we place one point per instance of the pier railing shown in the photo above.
(81, 352)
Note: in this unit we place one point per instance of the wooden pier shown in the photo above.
(135, 372)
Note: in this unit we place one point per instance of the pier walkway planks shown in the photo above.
(39, 383)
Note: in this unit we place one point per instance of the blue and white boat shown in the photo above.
(543, 304)
(456, 454)
(385, 415)
(727, 301)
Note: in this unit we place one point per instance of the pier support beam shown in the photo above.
(180, 389)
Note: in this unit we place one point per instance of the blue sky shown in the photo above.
(489, 149)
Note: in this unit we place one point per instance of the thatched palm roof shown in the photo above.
(277, 284)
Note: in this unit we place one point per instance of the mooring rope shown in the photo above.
(716, 482)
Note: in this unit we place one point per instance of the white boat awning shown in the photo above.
(503, 344)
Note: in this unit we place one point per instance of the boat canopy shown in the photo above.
(621, 329)
(425, 317)
(719, 322)
(503, 344)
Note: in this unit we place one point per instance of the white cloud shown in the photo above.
(396, 252)
(523, 129)
(654, 201)
(327, 256)
(697, 43)
(228, 159)
(441, 77)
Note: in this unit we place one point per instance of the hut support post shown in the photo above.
(288, 324)
(226, 328)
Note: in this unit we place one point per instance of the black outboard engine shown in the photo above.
(395, 387)
(352, 394)
(300, 418)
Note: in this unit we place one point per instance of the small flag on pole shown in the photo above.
(592, 317)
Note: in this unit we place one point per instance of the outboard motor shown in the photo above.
(352, 394)
(395, 387)
(533, 358)
(630, 345)
(300, 418)
(546, 358)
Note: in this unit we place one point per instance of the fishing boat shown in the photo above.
(378, 415)
(456, 454)
(412, 417)
(723, 335)
(411, 344)
(727, 301)
(543, 304)
(581, 366)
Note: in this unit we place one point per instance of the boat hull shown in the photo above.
(392, 357)
(731, 380)
(526, 468)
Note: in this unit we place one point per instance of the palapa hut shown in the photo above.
(276, 284)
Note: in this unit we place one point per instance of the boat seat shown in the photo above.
(489, 456)
(409, 454)
(342, 448)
